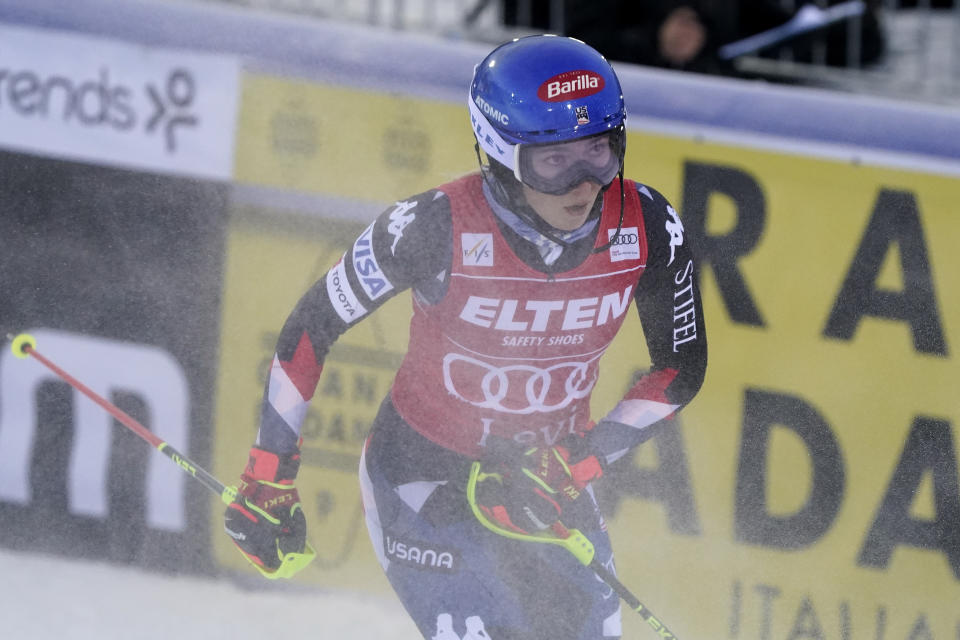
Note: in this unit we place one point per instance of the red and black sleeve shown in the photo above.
(668, 301)
(407, 246)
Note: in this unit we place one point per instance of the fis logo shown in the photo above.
(477, 249)
(627, 244)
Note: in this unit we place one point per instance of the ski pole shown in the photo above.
(607, 576)
(24, 345)
(577, 544)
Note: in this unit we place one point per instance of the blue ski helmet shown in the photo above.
(541, 90)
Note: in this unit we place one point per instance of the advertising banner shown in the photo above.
(811, 489)
(80, 97)
(117, 276)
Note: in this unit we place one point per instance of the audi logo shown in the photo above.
(626, 238)
(518, 388)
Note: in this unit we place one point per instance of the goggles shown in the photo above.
(556, 168)
(560, 174)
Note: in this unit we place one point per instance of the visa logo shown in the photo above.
(371, 278)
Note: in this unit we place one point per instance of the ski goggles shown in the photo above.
(556, 168)
(522, 159)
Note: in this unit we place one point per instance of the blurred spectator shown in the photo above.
(534, 14)
(679, 34)
(686, 34)
(916, 4)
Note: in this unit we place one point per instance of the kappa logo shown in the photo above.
(400, 217)
(475, 629)
(627, 244)
(371, 278)
(477, 249)
(675, 229)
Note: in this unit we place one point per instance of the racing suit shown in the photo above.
(504, 343)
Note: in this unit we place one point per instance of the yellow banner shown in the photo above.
(347, 142)
(821, 452)
(811, 489)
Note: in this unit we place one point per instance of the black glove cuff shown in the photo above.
(579, 447)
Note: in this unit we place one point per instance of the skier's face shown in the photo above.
(567, 211)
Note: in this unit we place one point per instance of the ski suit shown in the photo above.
(502, 345)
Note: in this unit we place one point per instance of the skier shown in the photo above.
(521, 275)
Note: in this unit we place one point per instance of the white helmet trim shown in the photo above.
(490, 140)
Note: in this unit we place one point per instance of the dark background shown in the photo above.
(125, 256)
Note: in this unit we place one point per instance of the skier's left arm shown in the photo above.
(668, 302)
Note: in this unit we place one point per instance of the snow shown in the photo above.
(46, 598)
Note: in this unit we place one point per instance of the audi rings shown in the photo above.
(504, 389)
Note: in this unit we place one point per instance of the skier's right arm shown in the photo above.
(408, 245)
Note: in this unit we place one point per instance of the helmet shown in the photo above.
(542, 90)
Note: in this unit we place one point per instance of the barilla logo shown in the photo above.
(570, 85)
